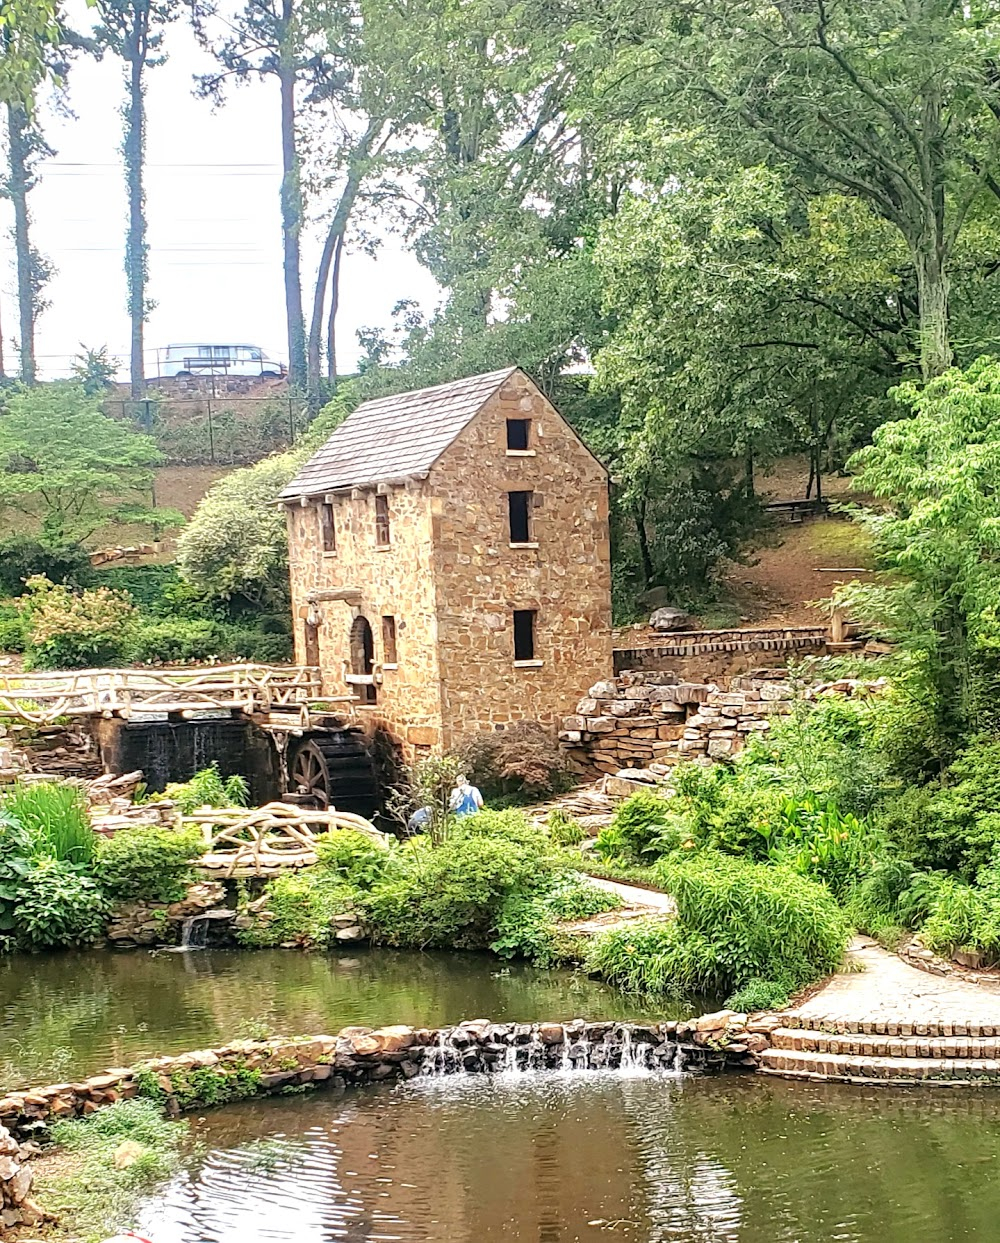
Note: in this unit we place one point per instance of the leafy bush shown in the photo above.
(877, 902)
(207, 788)
(148, 863)
(811, 835)
(55, 816)
(352, 856)
(524, 758)
(75, 630)
(758, 995)
(450, 895)
(57, 905)
(22, 558)
(180, 639)
(737, 921)
(526, 923)
(16, 849)
(638, 830)
(299, 910)
(563, 829)
(13, 629)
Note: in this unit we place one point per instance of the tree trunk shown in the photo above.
(643, 536)
(133, 149)
(932, 295)
(331, 323)
(291, 220)
(330, 259)
(19, 144)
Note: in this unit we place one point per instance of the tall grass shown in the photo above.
(55, 816)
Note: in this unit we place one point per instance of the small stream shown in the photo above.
(557, 1158)
(71, 1014)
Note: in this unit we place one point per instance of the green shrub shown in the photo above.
(875, 901)
(22, 558)
(207, 788)
(75, 630)
(639, 830)
(352, 856)
(179, 639)
(736, 921)
(56, 905)
(299, 910)
(148, 863)
(16, 851)
(758, 995)
(563, 829)
(55, 816)
(450, 895)
(527, 923)
(13, 629)
(812, 835)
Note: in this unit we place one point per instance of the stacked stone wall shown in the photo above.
(17, 1208)
(639, 720)
(563, 574)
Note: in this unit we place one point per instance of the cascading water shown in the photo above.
(194, 933)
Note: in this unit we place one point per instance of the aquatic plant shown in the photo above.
(55, 815)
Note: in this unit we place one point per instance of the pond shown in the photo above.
(71, 1014)
(556, 1158)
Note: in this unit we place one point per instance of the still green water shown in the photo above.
(71, 1014)
(555, 1158)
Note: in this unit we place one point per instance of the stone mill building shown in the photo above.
(450, 561)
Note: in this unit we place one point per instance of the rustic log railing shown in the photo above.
(42, 698)
(254, 841)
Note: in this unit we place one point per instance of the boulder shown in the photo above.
(668, 619)
(394, 1039)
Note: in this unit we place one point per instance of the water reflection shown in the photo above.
(556, 1158)
(73, 1014)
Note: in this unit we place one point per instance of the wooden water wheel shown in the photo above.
(333, 769)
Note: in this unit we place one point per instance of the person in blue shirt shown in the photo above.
(465, 798)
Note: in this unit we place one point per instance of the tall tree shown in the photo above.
(892, 101)
(133, 31)
(300, 46)
(28, 28)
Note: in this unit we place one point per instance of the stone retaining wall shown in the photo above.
(361, 1055)
(16, 1205)
(643, 719)
(720, 653)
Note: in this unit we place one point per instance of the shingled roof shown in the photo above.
(393, 437)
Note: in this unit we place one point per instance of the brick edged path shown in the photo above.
(890, 1023)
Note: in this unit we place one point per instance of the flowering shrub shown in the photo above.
(74, 630)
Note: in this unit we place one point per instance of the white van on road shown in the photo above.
(200, 359)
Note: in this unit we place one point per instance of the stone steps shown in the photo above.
(835, 1025)
(809, 1040)
(810, 1064)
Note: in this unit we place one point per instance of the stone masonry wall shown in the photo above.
(641, 719)
(563, 573)
(361, 1055)
(396, 581)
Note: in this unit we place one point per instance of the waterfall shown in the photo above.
(194, 933)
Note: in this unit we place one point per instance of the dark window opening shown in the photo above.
(524, 634)
(381, 520)
(328, 532)
(389, 640)
(518, 433)
(520, 517)
(362, 644)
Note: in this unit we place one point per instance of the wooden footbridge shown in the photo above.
(46, 698)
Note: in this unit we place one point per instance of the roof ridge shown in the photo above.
(500, 375)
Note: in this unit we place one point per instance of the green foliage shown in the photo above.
(95, 369)
(880, 902)
(72, 468)
(98, 1193)
(75, 630)
(812, 836)
(13, 636)
(758, 995)
(22, 558)
(56, 905)
(736, 922)
(639, 829)
(236, 545)
(202, 1085)
(16, 850)
(299, 910)
(55, 816)
(526, 925)
(208, 788)
(353, 857)
(563, 829)
(148, 863)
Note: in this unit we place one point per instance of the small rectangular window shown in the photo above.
(389, 640)
(519, 504)
(518, 434)
(381, 521)
(328, 532)
(524, 634)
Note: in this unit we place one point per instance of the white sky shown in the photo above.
(212, 181)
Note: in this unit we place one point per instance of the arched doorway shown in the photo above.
(363, 656)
